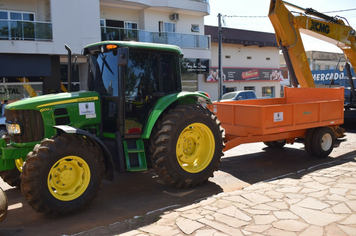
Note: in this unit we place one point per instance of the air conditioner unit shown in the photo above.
(174, 16)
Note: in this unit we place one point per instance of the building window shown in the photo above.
(229, 89)
(268, 58)
(249, 57)
(166, 27)
(227, 56)
(268, 92)
(17, 25)
(249, 88)
(195, 28)
(131, 25)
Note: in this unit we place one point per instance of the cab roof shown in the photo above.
(131, 44)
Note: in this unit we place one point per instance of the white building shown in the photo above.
(250, 61)
(33, 34)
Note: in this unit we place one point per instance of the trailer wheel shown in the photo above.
(323, 141)
(12, 177)
(62, 175)
(276, 144)
(186, 145)
(308, 141)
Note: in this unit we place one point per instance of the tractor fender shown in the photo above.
(166, 101)
(109, 163)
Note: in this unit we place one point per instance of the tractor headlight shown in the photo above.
(13, 128)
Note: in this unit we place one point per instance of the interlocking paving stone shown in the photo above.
(160, 230)
(315, 217)
(312, 203)
(264, 219)
(257, 228)
(285, 215)
(290, 225)
(341, 208)
(351, 220)
(313, 231)
(188, 226)
(350, 231)
(222, 227)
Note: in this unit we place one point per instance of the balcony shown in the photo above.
(25, 30)
(191, 41)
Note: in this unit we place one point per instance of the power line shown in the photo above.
(351, 9)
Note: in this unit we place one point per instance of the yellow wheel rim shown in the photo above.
(19, 163)
(68, 178)
(195, 147)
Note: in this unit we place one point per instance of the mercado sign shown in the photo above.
(326, 76)
(235, 74)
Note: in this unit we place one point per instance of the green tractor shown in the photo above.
(60, 147)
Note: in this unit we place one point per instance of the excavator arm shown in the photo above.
(288, 25)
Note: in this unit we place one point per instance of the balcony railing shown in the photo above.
(206, 1)
(181, 40)
(25, 30)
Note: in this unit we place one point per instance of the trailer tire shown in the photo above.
(308, 141)
(277, 143)
(186, 145)
(62, 175)
(323, 141)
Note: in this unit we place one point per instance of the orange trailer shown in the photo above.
(312, 113)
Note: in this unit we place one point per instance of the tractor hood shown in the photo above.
(52, 100)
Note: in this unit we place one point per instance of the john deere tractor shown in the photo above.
(133, 116)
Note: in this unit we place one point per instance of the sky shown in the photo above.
(239, 14)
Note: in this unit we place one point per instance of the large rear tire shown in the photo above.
(62, 175)
(186, 145)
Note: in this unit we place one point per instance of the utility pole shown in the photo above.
(220, 75)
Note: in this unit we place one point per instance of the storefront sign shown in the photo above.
(197, 66)
(327, 76)
(246, 74)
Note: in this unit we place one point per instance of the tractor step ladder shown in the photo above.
(135, 155)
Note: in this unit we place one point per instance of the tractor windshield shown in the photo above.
(103, 75)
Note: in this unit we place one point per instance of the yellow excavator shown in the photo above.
(289, 24)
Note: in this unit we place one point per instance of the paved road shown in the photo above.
(133, 195)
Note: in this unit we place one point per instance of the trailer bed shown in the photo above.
(280, 118)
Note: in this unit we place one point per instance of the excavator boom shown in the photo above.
(288, 25)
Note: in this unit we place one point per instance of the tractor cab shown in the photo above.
(130, 81)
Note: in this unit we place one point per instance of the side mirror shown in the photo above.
(123, 57)
(239, 98)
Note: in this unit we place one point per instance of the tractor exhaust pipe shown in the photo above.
(69, 88)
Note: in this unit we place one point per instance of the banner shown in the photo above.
(246, 74)
(327, 76)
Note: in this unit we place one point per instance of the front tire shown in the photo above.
(62, 175)
(186, 145)
(12, 177)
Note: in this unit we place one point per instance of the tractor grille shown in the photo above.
(31, 122)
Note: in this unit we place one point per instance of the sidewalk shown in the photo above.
(314, 202)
